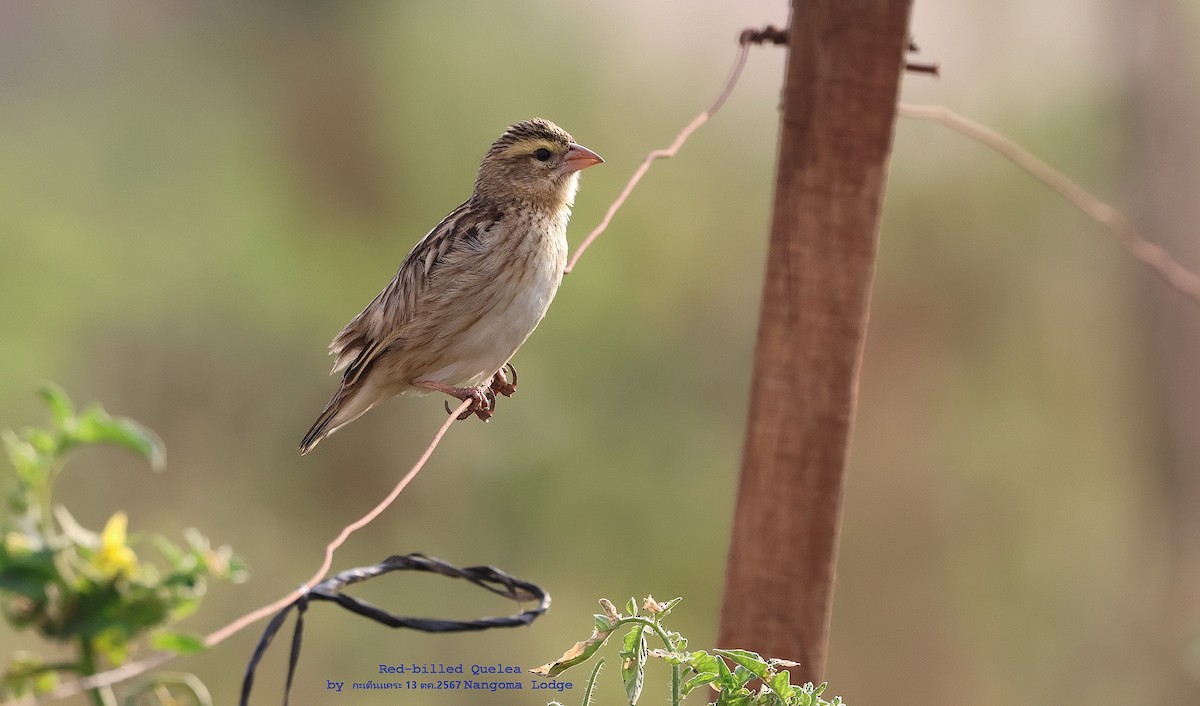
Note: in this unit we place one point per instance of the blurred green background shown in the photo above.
(195, 196)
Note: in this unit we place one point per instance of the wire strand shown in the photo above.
(738, 64)
(128, 671)
(1151, 254)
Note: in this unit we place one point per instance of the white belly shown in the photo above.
(481, 350)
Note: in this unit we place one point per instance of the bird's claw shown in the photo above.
(501, 383)
(483, 398)
(490, 397)
(482, 403)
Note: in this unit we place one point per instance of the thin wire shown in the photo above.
(132, 669)
(1179, 277)
(1174, 274)
(738, 64)
(217, 636)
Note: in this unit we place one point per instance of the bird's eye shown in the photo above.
(542, 154)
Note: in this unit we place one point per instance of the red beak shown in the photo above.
(578, 157)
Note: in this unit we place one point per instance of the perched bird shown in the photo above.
(471, 291)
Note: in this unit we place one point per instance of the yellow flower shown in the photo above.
(17, 544)
(115, 557)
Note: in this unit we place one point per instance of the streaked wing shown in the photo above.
(381, 323)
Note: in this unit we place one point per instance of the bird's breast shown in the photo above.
(517, 281)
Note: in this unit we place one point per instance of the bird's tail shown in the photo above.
(347, 404)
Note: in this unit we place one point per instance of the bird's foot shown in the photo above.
(500, 381)
(481, 397)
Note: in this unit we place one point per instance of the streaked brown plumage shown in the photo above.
(472, 290)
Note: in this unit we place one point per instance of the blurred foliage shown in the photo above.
(75, 586)
(169, 689)
(728, 673)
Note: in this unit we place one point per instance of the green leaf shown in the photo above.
(750, 660)
(113, 644)
(239, 572)
(678, 642)
(633, 662)
(729, 682)
(184, 608)
(698, 681)
(631, 607)
(219, 563)
(781, 684)
(45, 443)
(177, 642)
(96, 427)
(25, 459)
(668, 607)
(742, 675)
(45, 683)
(27, 673)
(672, 657)
(61, 408)
(735, 698)
(703, 663)
(811, 695)
(30, 573)
(579, 652)
(173, 554)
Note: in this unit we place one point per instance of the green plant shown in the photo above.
(727, 673)
(85, 589)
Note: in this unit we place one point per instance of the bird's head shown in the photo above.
(534, 161)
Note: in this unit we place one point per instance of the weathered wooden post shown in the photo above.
(845, 60)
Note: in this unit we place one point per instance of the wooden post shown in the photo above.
(845, 59)
(1163, 175)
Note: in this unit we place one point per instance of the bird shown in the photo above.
(470, 292)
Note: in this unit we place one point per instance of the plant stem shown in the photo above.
(34, 670)
(591, 683)
(676, 670)
(100, 696)
(45, 506)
